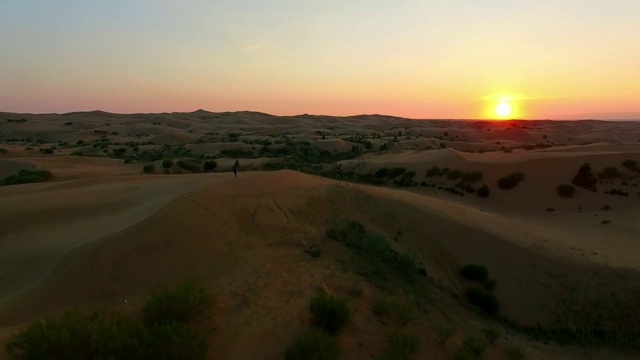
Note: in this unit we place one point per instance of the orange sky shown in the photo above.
(456, 59)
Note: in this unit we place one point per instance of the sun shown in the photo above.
(503, 109)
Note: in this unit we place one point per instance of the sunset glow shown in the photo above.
(331, 57)
(503, 109)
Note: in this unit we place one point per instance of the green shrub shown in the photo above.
(72, 335)
(585, 178)
(510, 181)
(483, 191)
(606, 208)
(210, 165)
(473, 272)
(433, 171)
(189, 165)
(378, 259)
(331, 313)
(382, 173)
(444, 331)
(175, 340)
(629, 164)
(167, 163)
(492, 334)
(454, 175)
(28, 176)
(400, 346)
(490, 284)
(406, 179)
(149, 168)
(515, 352)
(3, 151)
(188, 302)
(566, 190)
(313, 345)
(395, 172)
(314, 251)
(381, 308)
(475, 345)
(483, 299)
(471, 177)
(610, 172)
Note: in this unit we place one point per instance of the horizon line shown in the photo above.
(318, 115)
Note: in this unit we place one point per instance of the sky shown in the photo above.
(543, 59)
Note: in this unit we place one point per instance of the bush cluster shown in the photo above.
(585, 178)
(566, 190)
(166, 331)
(27, 176)
(390, 173)
(510, 181)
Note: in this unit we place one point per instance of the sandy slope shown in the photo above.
(245, 239)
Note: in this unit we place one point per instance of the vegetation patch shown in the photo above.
(566, 190)
(474, 272)
(189, 165)
(27, 176)
(376, 259)
(331, 313)
(510, 181)
(168, 333)
(149, 168)
(314, 344)
(585, 178)
(483, 299)
(483, 191)
(400, 346)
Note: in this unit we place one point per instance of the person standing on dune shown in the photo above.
(235, 168)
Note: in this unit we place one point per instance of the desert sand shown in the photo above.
(102, 231)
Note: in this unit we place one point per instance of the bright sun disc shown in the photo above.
(503, 109)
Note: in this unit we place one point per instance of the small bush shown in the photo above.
(483, 191)
(550, 209)
(175, 340)
(566, 190)
(510, 181)
(382, 173)
(167, 163)
(400, 346)
(444, 331)
(483, 299)
(3, 151)
(395, 172)
(104, 334)
(473, 272)
(189, 165)
(27, 176)
(331, 313)
(433, 171)
(606, 208)
(313, 345)
(454, 175)
(314, 251)
(585, 178)
(210, 165)
(605, 222)
(188, 302)
(48, 151)
(515, 352)
(471, 177)
(492, 334)
(381, 308)
(475, 345)
(610, 172)
(629, 164)
(489, 284)
(148, 168)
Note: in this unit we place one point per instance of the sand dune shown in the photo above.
(101, 231)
